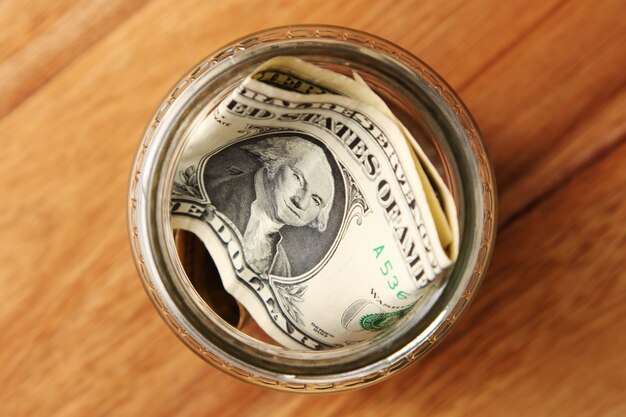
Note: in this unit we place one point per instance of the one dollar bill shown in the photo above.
(324, 217)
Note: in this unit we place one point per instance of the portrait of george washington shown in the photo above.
(280, 192)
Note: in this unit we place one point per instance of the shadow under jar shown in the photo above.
(169, 264)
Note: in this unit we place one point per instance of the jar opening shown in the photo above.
(173, 265)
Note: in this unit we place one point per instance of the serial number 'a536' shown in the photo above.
(386, 270)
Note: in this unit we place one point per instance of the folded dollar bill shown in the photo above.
(323, 215)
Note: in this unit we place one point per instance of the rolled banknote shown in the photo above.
(322, 214)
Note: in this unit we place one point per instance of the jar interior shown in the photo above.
(215, 315)
(200, 268)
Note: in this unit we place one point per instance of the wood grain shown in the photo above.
(545, 80)
(45, 55)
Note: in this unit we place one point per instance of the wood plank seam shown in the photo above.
(593, 160)
(101, 36)
(511, 46)
(585, 114)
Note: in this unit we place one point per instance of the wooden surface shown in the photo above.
(545, 81)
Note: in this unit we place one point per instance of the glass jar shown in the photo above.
(428, 108)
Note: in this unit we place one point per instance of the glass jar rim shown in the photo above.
(277, 367)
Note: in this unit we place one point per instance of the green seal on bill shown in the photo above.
(379, 321)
